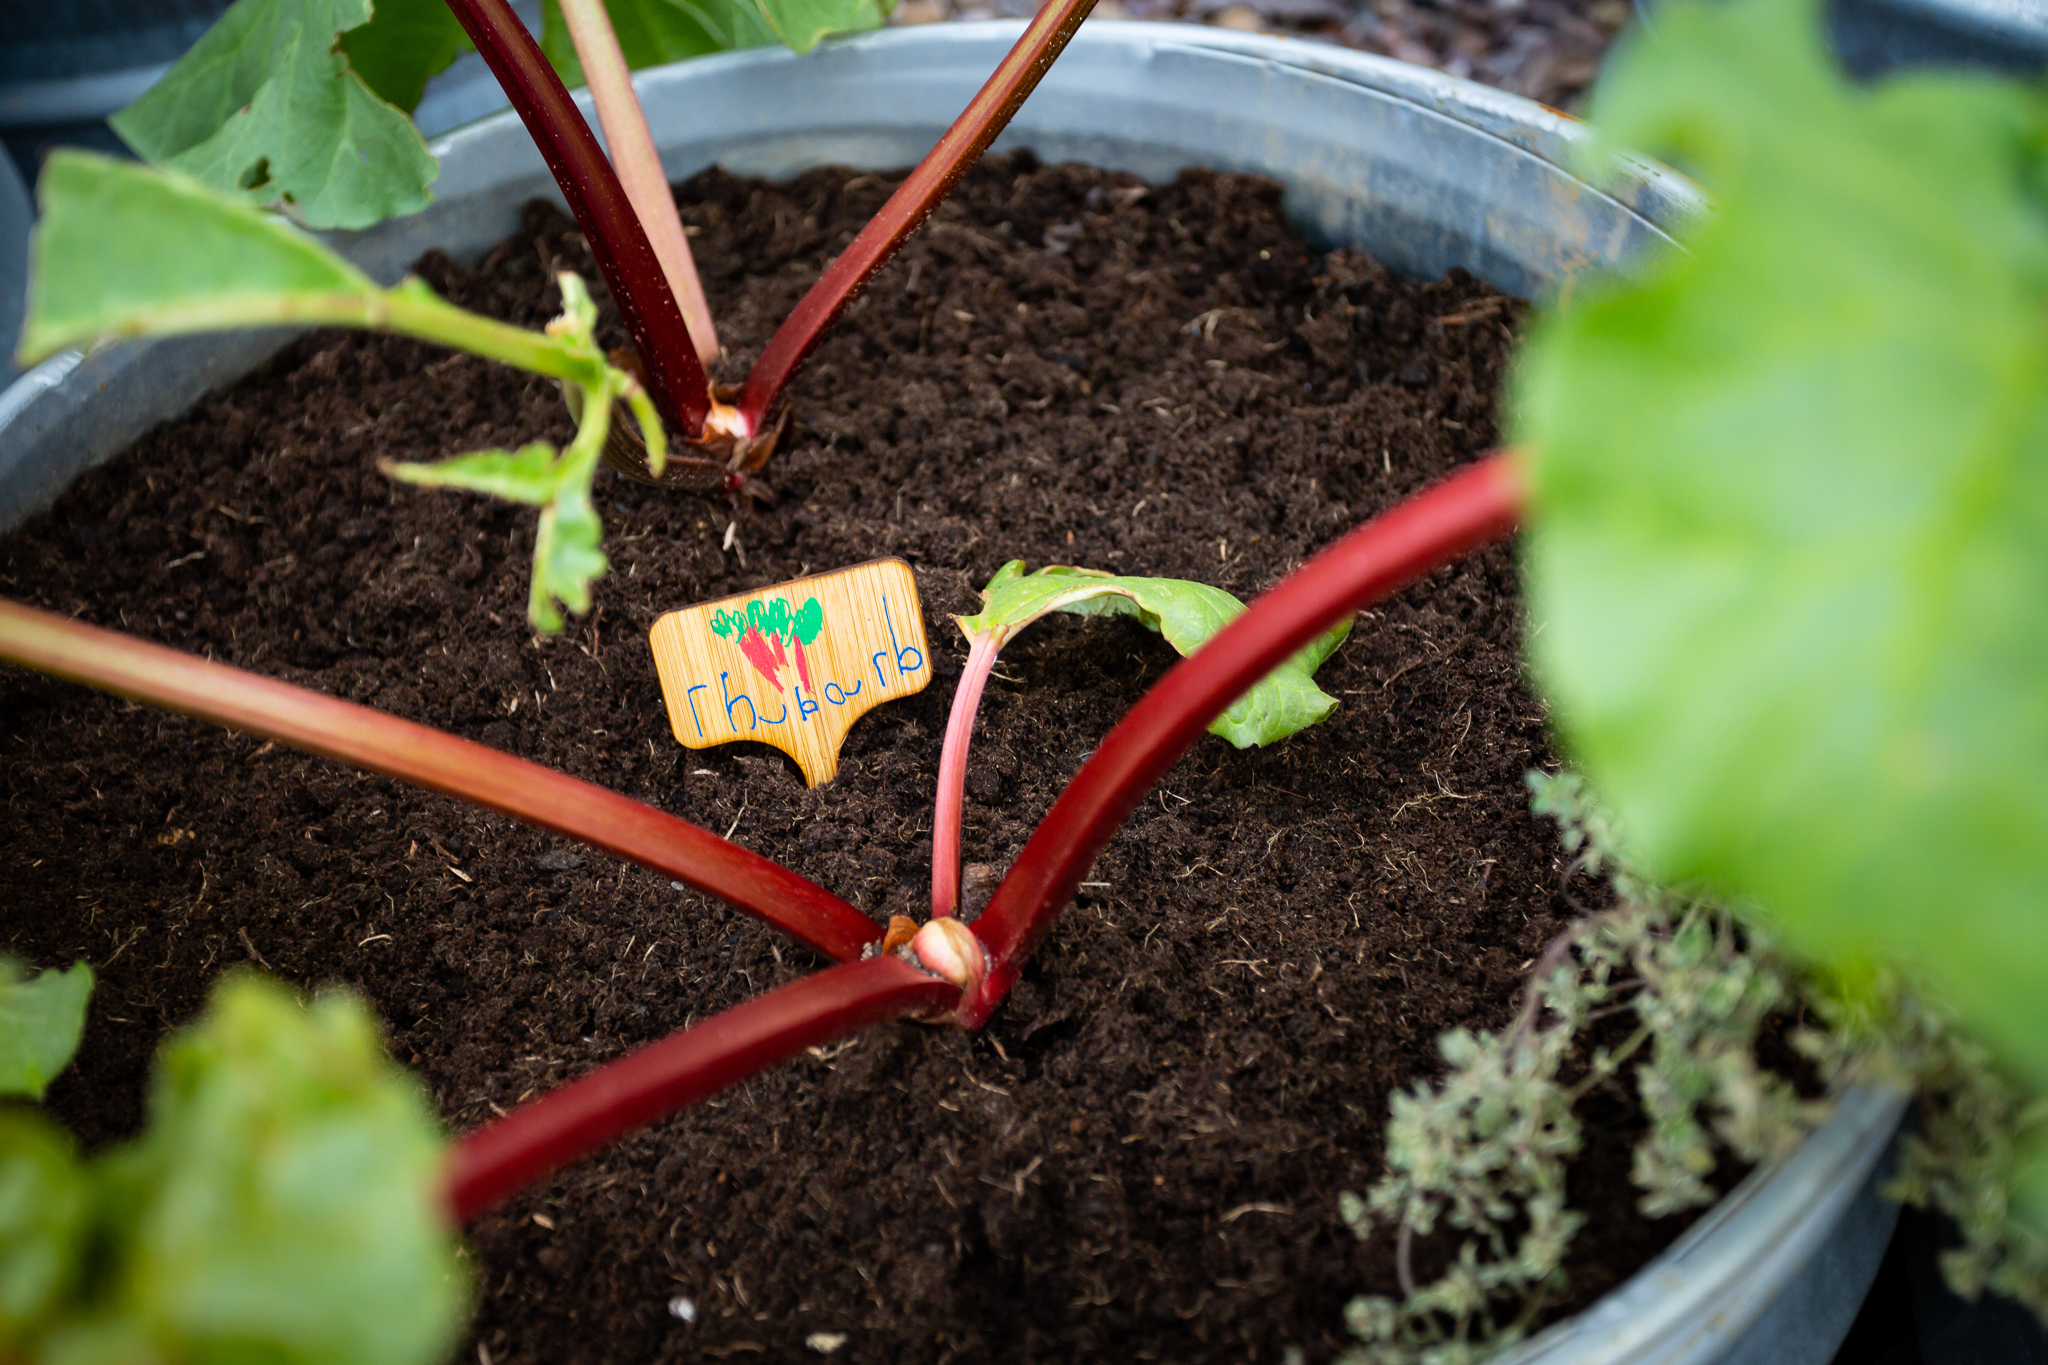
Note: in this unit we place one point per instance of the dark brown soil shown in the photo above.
(1141, 1157)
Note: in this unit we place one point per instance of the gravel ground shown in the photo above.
(1547, 50)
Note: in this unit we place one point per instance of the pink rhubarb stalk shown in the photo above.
(952, 797)
(913, 202)
(1478, 504)
(637, 163)
(675, 376)
(564, 1124)
(439, 762)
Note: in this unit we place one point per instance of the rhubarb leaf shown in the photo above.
(652, 32)
(1789, 554)
(1187, 614)
(122, 250)
(41, 1018)
(45, 1214)
(406, 44)
(286, 1201)
(266, 105)
(655, 32)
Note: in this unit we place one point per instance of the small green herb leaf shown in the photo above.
(1187, 614)
(45, 1212)
(1791, 494)
(266, 105)
(41, 1017)
(285, 1201)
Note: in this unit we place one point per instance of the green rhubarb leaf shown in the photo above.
(267, 105)
(803, 24)
(45, 1214)
(656, 32)
(41, 1018)
(1187, 614)
(566, 558)
(285, 1203)
(122, 250)
(1789, 557)
(406, 44)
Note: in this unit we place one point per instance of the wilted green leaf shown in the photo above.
(1790, 550)
(285, 1202)
(1188, 615)
(266, 105)
(45, 1211)
(41, 1017)
(406, 44)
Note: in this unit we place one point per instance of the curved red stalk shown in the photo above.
(675, 377)
(684, 1067)
(915, 198)
(1478, 504)
(439, 762)
(946, 810)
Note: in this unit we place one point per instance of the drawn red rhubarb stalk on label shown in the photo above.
(769, 632)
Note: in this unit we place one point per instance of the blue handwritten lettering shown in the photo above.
(696, 687)
(777, 720)
(753, 716)
(805, 706)
(879, 655)
(901, 650)
(840, 699)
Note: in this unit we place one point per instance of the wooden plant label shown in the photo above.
(794, 665)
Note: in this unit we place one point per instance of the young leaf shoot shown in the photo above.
(1187, 614)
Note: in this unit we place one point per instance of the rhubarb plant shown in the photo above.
(299, 108)
(125, 251)
(1187, 614)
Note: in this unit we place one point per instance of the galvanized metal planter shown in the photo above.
(1424, 171)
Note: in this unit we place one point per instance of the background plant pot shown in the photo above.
(1424, 171)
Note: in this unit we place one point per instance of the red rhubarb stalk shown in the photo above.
(803, 665)
(564, 1124)
(913, 202)
(439, 762)
(946, 811)
(637, 163)
(675, 377)
(1479, 504)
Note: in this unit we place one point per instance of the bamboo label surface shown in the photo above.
(794, 665)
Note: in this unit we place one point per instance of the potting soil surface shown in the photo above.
(1141, 1157)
